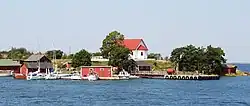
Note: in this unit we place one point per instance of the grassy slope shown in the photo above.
(161, 65)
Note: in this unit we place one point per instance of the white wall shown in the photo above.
(137, 54)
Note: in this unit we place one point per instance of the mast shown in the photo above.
(39, 63)
(54, 59)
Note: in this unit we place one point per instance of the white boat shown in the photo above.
(123, 75)
(6, 73)
(133, 77)
(36, 76)
(76, 76)
(92, 76)
(51, 75)
(65, 76)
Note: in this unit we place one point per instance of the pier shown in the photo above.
(192, 77)
(165, 75)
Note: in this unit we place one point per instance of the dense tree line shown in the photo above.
(209, 60)
(23, 53)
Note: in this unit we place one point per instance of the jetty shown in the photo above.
(165, 75)
(192, 77)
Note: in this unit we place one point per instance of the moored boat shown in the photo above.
(123, 75)
(75, 77)
(133, 77)
(19, 76)
(92, 76)
(51, 77)
(36, 76)
(65, 76)
(6, 73)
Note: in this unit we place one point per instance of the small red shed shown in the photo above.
(102, 71)
(229, 69)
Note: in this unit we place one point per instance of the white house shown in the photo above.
(138, 48)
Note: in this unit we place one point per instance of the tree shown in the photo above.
(64, 56)
(97, 54)
(57, 53)
(191, 58)
(166, 58)
(114, 50)
(215, 58)
(1, 56)
(129, 65)
(82, 58)
(70, 56)
(18, 53)
(156, 56)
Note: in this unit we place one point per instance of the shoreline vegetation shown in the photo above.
(238, 73)
(186, 60)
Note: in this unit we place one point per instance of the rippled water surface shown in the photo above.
(228, 91)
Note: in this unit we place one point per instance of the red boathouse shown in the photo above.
(7, 65)
(102, 71)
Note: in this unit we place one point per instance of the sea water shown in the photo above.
(228, 91)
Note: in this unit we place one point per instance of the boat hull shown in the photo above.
(76, 78)
(51, 78)
(39, 76)
(35, 78)
(19, 76)
(123, 77)
(92, 78)
(5, 75)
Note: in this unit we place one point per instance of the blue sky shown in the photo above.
(163, 24)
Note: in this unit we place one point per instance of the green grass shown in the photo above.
(160, 65)
(105, 63)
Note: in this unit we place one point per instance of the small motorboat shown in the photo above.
(92, 76)
(19, 76)
(36, 76)
(123, 75)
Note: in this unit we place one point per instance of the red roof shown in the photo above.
(132, 44)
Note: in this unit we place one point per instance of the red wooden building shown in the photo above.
(229, 69)
(33, 62)
(102, 71)
(7, 65)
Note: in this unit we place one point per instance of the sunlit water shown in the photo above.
(228, 91)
